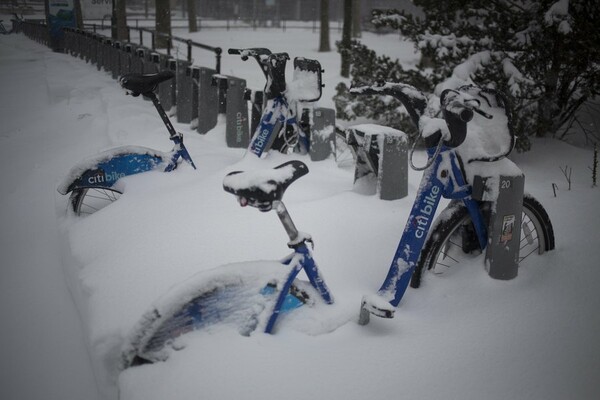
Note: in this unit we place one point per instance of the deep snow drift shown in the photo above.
(462, 335)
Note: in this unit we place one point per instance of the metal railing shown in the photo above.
(35, 30)
(170, 38)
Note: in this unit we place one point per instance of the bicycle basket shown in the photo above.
(488, 139)
(307, 83)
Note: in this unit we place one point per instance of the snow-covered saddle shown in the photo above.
(262, 187)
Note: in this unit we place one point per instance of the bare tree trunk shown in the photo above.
(192, 23)
(163, 24)
(78, 14)
(356, 17)
(324, 33)
(122, 31)
(119, 21)
(346, 39)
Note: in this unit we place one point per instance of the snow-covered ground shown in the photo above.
(461, 336)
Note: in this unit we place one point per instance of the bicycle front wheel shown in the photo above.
(237, 296)
(453, 240)
(89, 200)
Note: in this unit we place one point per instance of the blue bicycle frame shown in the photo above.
(438, 181)
(277, 114)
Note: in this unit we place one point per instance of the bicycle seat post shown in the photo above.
(286, 221)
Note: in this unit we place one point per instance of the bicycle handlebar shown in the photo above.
(255, 52)
(462, 105)
(412, 98)
(272, 65)
(458, 108)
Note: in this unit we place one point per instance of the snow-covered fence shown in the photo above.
(36, 30)
(381, 160)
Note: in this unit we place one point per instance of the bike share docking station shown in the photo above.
(381, 160)
(504, 194)
(232, 102)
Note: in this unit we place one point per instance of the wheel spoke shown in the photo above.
(91, 200)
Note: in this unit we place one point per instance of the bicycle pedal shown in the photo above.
(376, 305)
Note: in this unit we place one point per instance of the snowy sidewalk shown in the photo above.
(43, 350)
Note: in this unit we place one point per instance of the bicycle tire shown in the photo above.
(453, 237)
(87, 201)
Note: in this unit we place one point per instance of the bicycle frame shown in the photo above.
(300, 259)
(277, 115)
(104, 170)
(443, 178)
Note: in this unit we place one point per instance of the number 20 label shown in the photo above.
(505, 184)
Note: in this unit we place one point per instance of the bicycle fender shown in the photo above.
(104, 170)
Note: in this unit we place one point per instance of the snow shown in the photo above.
(305, 86)
(72, 289)
(559, 13)
(264, 179)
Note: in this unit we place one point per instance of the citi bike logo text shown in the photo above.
(262, 137)
(425, 213)
(239, 127)
(102, 177)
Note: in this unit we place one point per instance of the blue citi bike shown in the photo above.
(469, 174)
(94, 183)
(279, 127)
(254, 296)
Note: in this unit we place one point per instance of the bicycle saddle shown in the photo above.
(261, 188)
(144, 83)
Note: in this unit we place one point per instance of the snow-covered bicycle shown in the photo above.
(465, 166)
(279, 128)
(252, 296)
(94, 182)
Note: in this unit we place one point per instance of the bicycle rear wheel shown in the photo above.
(89, 200)
(453, 241)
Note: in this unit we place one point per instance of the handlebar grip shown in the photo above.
(234, 51)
